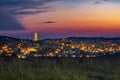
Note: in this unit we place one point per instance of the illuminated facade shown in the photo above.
(35, 38)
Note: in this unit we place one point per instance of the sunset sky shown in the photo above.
(60, 18)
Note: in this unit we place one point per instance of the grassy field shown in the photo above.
(60, 69)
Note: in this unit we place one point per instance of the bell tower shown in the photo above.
(35, 37)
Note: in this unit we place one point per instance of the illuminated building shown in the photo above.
(28, 50)
(35, 37)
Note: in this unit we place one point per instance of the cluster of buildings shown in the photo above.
(60, 48)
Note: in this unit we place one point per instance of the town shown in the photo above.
(65, 47)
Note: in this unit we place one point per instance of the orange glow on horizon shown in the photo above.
(98, 19)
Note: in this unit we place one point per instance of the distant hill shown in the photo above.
(7, 39)
(93, 39)
(103, 38)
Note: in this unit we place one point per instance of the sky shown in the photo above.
(60, 18)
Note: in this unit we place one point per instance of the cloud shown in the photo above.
(98, 2)
(10, 8)
(19, 7)
(9, 23)
(105, 0)
(49, 22)
(30, 10)
(23, 2)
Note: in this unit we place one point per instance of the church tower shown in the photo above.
(35, 37)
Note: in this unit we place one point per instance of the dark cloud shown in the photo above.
(8, 23)
(9, 8)
(28, 12)
(100, 2)
(105, 0)
(49, 22)
(24, 6)
(97, 2)
(22, 2)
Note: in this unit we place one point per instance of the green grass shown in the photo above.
(51, 69)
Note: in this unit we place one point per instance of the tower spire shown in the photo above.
(35, 37)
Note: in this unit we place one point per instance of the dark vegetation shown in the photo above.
(107, 68)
